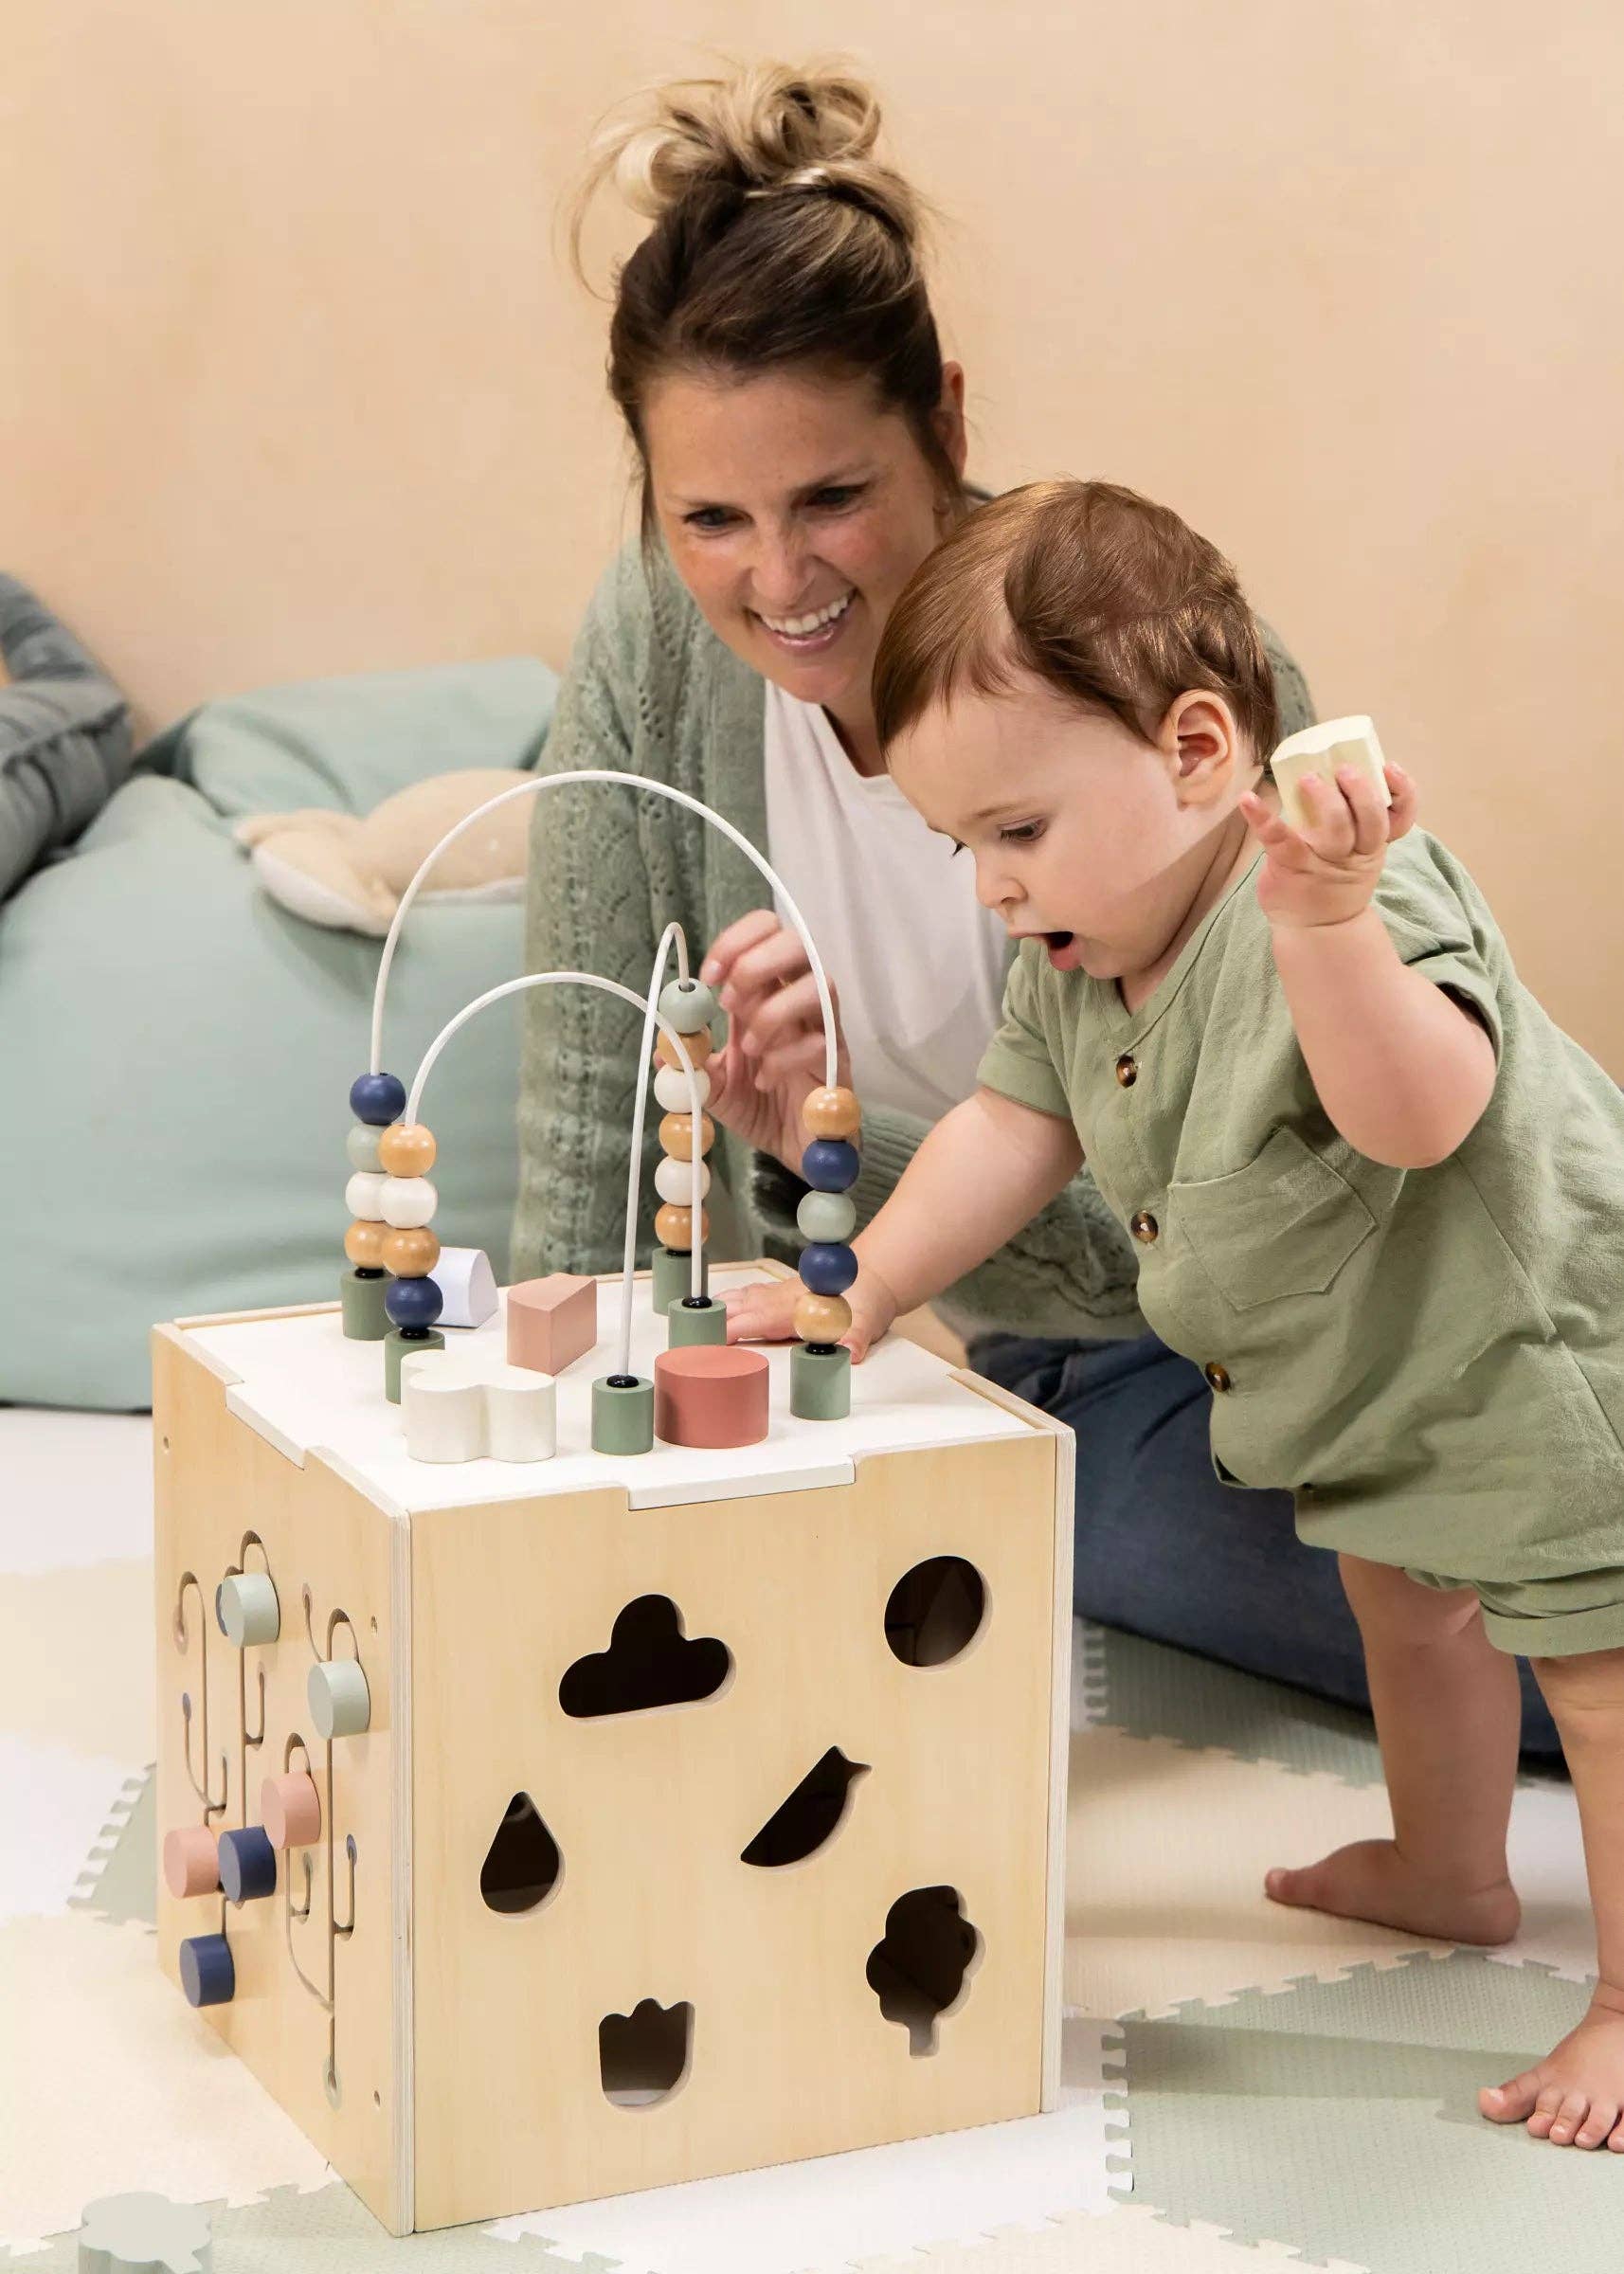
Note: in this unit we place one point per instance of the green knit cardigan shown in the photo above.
(651, 689)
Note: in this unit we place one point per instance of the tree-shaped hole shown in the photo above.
(801, 1824)
(917, 1970)
(522, 1865)
(935, 1611)
(643, 2055)
(649, 1662)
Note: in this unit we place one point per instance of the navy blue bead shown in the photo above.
(207, 1972)
(377, 1099)
(830, 1164)
(828, 1267)
(413, 1302)
(247, 1865)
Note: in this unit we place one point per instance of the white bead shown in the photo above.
(671, 1087)
(687, 1003)
(674, 1180)
(364, 1194)
(407, 1203)
(826, 1216)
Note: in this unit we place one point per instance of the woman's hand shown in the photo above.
(1327, 873)
(775, 1052)
(766, 1312)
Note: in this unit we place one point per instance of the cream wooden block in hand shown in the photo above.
(468, 1405)
(1320, 751)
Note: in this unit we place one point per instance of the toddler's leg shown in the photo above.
(1575, 2098)
(1447, 1710)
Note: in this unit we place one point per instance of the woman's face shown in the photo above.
(795, 510)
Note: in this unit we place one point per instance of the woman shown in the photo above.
(801, 446)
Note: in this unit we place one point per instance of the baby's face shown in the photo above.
(1082, 835)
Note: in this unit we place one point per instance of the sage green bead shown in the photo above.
(362, 1146)
(687, 1003)
(820, 1383)
(684, 1326)
(362, 1296)
(673, 1272)
(824, 1215)
(623, 1415)
(397, 1347)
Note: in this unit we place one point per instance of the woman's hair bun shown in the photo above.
(767, 129)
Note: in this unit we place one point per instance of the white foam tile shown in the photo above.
(877, 2202)
(75, 1489)
(302, 1385)
(60, 1803)
(1547, 1870)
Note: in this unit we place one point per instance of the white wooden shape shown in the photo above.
(468, 1405)
(467, 1286)
(1320, 751)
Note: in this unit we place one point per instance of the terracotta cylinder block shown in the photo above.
(290, 1810)
(707, 1394)
(192, 1861)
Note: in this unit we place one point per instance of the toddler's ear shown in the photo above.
(1199, 737)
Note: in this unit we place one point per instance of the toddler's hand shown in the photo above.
(767, 1313)
(1327, 873)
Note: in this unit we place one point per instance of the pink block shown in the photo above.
(290, 1810)
(551, 1322)
(711, 1394)
(192, 1861)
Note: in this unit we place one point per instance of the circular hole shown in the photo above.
(935, 1611)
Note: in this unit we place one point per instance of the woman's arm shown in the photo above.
(587, 909)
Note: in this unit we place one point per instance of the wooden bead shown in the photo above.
(414, 1303)
(677, 1135)
(827, 1266)
(407, 1203)
(699, 1047)
(406, 1149)
(674, 1180)
(364, 1243)
(832, 1113)
(409, 1254)
(674, 1227)
(830, 1164)
(364, 1194)
(671, 1087)
(687, 1003)
(826, 1216)
(362, 1145)
(822, 1318)
(377, 1099)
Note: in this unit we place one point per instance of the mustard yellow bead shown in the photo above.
(674, 1227)
(677, 1135)
(832, 1113)
(822, 1318)
(364, 1244)
(406, 1149)
(411, 1253)
(699, 1047)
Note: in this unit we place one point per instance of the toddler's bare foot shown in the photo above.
(1574, 2097)
(1371, 1880)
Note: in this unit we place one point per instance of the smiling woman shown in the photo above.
(800, 449)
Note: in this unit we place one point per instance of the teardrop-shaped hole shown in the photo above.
(523, 1865)
(799, 1825)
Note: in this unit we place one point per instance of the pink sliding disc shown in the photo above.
(290, 1810)
(192, 1861)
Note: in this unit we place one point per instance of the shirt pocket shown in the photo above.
(1283, 1225)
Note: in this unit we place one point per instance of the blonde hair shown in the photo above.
(1115, 603)
(779, 239)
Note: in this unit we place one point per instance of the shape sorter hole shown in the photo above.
(643, 2055)
(523, 1865)
(935, 1611)
(649, 1662)
(810, 1816)
(919, 1968)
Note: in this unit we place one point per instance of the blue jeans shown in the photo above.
(1165, 1550)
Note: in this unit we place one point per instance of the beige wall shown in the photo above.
(292, 380)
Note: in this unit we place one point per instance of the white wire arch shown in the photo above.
(653, 1018)
(658, 790)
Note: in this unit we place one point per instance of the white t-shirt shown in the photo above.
(917, 961)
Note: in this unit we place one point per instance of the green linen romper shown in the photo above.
(1431, 1360)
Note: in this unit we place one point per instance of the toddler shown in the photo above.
(1378, 1194)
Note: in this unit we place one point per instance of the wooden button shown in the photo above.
(1217, 1376)
(1127, 1071)
(1144, 1227)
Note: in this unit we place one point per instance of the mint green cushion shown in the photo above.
(177, 1050)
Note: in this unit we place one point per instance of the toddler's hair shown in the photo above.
(1110, 599)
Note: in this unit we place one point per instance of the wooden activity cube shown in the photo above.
(710, 1808)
